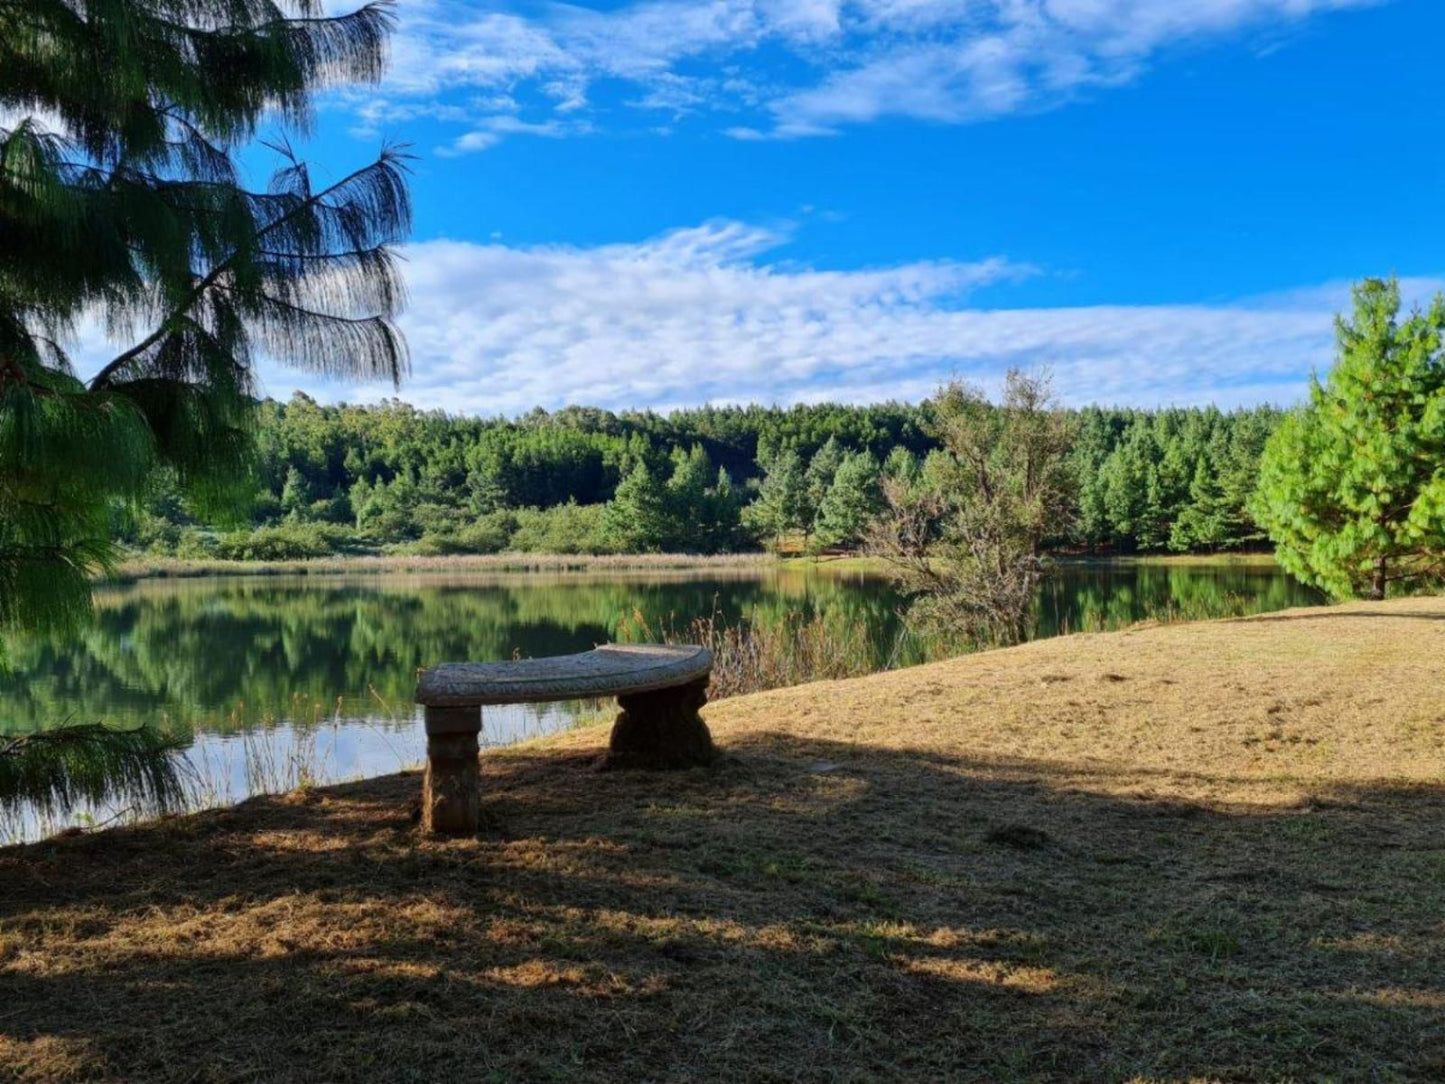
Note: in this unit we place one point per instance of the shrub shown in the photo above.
(565, 528)
(489, 534)
(195, 545)
(286, 542)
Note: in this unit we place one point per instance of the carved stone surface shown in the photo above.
(662, 729)
(610, 670)
(450, 792)
(659, 689)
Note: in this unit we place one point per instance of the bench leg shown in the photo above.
(662, 729)
(449, 796)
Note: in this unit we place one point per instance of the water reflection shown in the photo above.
(285, 679)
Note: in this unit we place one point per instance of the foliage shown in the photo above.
(567, 528)
(1352, 486)
(120, 122)
(965, 538)
(850, 503)
(781, 505)
(425, 482)
(284, 542)
(55, 770)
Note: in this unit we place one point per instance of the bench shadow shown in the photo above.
(807, 910)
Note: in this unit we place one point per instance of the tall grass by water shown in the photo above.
(752, 656)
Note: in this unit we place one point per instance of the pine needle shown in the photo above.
(56, 770)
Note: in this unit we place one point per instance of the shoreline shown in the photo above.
(159, 568)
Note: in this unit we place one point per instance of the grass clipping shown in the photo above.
(1188, 852)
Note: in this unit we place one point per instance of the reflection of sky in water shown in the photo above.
(224, 769)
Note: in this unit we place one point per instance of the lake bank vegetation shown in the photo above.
(146, 566)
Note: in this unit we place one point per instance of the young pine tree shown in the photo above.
(818, 479)
(120, 198)
(639, 519)
(689, 508)
(1352, 485)
(781, 506)
(851, 502)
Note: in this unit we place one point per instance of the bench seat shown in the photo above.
(609, 670)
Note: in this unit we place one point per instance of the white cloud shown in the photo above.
(699, 315)
(954, 61)
(490, 130)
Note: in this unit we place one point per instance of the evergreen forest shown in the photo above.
(390, 478)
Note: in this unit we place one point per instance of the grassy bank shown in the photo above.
(171, 567)
(1185, 852)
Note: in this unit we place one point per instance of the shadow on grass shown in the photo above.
(806, 911)
(1333, 613)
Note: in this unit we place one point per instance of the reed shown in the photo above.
(146, 567)
(751, 656)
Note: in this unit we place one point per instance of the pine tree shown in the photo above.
(688, 503)
(850, 503)
(119, 195)
(295, 494)
(818, 479)
(1203, 523)
(901, 464)
(1352, 486)
(724, 523)
(782, 501)
(638, 519)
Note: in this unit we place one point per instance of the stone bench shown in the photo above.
(659, 690)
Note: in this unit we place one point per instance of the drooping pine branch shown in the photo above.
(54, 771)
(371, 199)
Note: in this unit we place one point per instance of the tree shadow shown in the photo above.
(808, 910)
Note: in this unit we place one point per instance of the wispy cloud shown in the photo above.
(852, 61)
(700, 315)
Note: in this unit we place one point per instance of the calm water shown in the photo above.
(281, 680)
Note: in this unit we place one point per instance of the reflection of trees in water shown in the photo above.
(1084, 598)
(223, 654)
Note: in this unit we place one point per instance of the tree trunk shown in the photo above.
(1377, 584)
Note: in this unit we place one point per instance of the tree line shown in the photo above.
(331, 479)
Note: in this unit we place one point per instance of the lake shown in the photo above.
(284, 680)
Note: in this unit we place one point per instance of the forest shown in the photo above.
(390, 478)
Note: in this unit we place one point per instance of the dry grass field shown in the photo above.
(1177, 853)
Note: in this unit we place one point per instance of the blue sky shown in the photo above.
(671, 202)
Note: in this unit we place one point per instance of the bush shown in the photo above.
(195, 545)
(287, 542)
(490, 534)
(565, 528)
